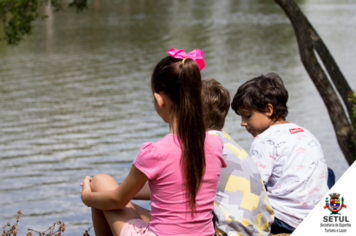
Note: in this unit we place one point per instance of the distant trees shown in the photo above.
(309, 42)
(17, 15)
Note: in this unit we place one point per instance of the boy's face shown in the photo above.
(254, 121)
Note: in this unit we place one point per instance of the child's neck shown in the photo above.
(279, 122)
(173, 127)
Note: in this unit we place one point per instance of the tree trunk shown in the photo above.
(308, 39)
(334, 71)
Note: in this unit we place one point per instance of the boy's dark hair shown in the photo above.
(256, 93)
(216, 104)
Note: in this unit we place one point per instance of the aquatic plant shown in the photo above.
(51, 231)
(55, 230)
(12, 231)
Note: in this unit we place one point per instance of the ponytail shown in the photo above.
(182, 84)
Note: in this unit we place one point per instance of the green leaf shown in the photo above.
(17, 16)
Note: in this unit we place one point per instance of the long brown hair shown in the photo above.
(182, 84)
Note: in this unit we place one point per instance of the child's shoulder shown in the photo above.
(167, 143)
(286, 135)
(217, 133)
(213, 138)
(223, 136)
(284, 130)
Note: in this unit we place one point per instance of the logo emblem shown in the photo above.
(335, 204)
(296, 130)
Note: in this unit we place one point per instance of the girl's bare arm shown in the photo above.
(117, 198)
(144, 193)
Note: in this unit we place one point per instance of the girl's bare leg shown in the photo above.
(101, 226)
(111, 222)
(143, 212)
(99, 183)
(118, 218)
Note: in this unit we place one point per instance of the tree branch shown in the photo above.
(338, 116)
(331, 66)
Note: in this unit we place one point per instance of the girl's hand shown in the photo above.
(86, 189)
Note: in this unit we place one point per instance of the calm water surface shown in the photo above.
(75, 97)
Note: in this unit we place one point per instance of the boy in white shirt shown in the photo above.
(289, 157)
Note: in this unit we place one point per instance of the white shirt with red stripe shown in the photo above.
(292, 165)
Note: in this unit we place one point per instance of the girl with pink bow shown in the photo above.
(182, 169)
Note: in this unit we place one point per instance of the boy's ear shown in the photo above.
(159, 99)
(269, 110)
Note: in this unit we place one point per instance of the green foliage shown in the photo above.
(80, 5)
(17, 15)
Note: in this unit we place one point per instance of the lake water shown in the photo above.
(75, 98)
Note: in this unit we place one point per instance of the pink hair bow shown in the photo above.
(196, 55)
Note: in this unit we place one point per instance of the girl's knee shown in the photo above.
(103, 182)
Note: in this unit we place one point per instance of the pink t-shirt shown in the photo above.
(160, 162)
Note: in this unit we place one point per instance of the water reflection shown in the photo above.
(75, 97)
